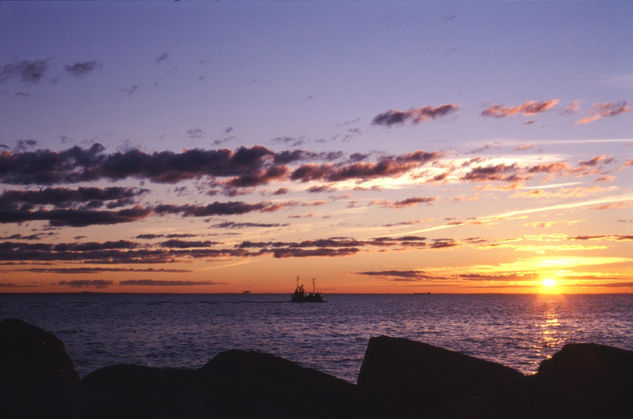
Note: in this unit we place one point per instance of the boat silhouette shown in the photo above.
(301, 296)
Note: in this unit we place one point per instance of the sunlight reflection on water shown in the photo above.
(186, 330)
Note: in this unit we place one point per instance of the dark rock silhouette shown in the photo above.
(232, 384)
(409, 378)
(28, 353)
(37, 378)
(596, 378)
(251, 383)
(399, 378)
(136, 391)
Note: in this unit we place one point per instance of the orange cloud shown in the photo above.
(578, 192)
(601, 110)
(528, 108)
(572, 107)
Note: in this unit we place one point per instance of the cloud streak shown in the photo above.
(415, 115)
(28, 71)
(81, 68)
(529, 108)
(606, 109)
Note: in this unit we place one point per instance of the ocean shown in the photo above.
(163, 330)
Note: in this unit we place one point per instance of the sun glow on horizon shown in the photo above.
(549, 282)
(549, 286)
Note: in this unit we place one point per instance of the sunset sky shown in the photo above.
(380, 147)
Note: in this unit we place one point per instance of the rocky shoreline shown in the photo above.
(399, 378)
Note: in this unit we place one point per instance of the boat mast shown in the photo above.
(313, 286)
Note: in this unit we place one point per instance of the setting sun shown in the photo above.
(549, 283)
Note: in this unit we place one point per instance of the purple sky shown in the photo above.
(519, 112)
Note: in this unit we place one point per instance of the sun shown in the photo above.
(549, 283)
(549, 286)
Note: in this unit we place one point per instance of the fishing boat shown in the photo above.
(301, 296)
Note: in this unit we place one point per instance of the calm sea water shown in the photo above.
(187, 330)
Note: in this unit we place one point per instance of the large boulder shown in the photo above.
(37, 378)
(253, 384)
(233, 384)
(409, 379)
(28, 353)
(596, 378)
(138, 391)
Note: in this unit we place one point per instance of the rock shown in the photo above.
(596, 378)
(28, 353)
(232, 384)
(37, 377)
(254, 384)
(409, 379)
(138, 391)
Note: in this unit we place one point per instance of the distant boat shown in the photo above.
(246, 292)
(301, 296)
(422, 293)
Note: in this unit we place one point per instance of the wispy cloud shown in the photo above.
(81, 68)
(573, 107)
(86, 283)
(28, 71)
(415, 115)
(401, 275)
(528, 108)
(166, 283)
(406, 203)
(607, 109)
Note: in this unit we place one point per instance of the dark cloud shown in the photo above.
(290, 141)
(186, 244)
(443, 243)
(86, 283)
(406, 203)
(74, 217)
(216, 208)
(339, 242)
(108, 253)
(322, 188)
(4, 284)
(162, 57)
(322, 252)
(150, 236)
(281, 191)
(244, 167)
(528, 108)
(390, 166)
(23, 237)
(258, 177)
(130, 90)
(195, 133)
(89, 270)
(91, 246)
(81, 68)
(47, 167)
(396, 275)
(234, 225)
(166, 283)
(498, 172)
(64, 197)
(423, 114)
(512, 276)
(24, 145)
(28, 71)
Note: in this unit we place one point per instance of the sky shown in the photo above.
(379, 147)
